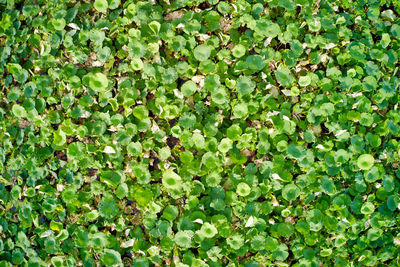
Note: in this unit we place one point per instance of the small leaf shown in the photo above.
(284, 76)
(365, 162)
(304, 81)
(110, 257)
(367, 208)
(101, 5)
(202, 52)
(188, 88)
(245, 85)
(19, 111)
(290, 192)
(111, 178)
(98, 82)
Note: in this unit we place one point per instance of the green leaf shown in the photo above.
(134, 149)
(114, 4)
(59, 138)
(239, 51)
(304, 81)
(236, 241)
(245, 85)
(287, 4)
(365, 161)
(184, 238)
(110, 257)
(290, 192)
(284, 76)
(202, 52)
(111, 178)
(225, 145)
(171, 180)
(328, 186)
(59, 24)
(98, 82)
(188, 88)
(314, 218)
(19, 111)
(240, 110)
(169, 76)
(155, 27)
(103, 54)
(255, 62)
(101, 5)
(243, 189)
(208, 230)
(395, 30)
(267, 28)
(140, 112)
(296, 152)
(108, 207)
(367, 208)
(220, 96)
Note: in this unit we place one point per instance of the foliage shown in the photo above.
(199, 133)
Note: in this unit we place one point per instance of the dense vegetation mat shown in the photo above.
(199, 133)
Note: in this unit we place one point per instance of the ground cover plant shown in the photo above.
(199, 133)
